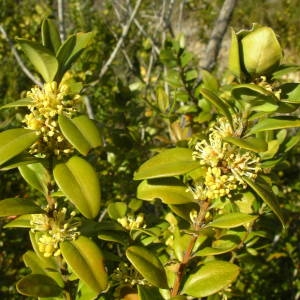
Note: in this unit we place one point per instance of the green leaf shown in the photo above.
(41, 265)
(232, 220)
(15, 141)
(274, 124)
(147, 263)
(18, 206)
(20, 160)
(85, 293)
(149, 293)
(38, 285)
(86, 260)
(37, 176)
(79, 182)
(290, 92)
(169, 190)
(218, 103)
(183, 210)
(50, 35)
(71, 49)
(22, 221)
(117, 210)
(163, 102)
(74, 136)
(89, 129)
(251, 143)
(234, 56)
(212, 277)
(264, 191)
(168, 163)
(19, 103)
(209, 81)
(42, 59)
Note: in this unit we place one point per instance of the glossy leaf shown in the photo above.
(38, 285)
(79, 182)
(217, 102)
(50, 35)
(19, 103)
(42, 265)
(147, 263)
(15, 141)
(212, 277)
(84, 292)
(42, 59)
(232, 220)
(169, 190)
(251, 143)
(86, 260)
(18, 206)
(74, 136)
(264, 191)
(274, 124)
(168, 163)
(37, 176)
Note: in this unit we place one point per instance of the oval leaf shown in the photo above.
(42, 59)
(86, 260)
(50, 35)
(38, 285)
(148, 265)
(18, 206)
(234, 55)
(18, 103)
(79, 182)
(15, 141)
(169, 190)
(251, 143)
(22, 221)
(210, 278)
(263, 190)
(168, 163)
(37, 176)
(232, 220)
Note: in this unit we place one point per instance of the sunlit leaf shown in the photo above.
(42, 59)
(212, 277)
(147, 263)
(86, 260)
(149, 293)
(79, 182)
(169, 190)
(18, 206)
(37, 176)
(168, 163)
(15, 141)
(218, 103)
(274, 124)
(209, 81)
(232, 220)
(117, 210)
(234, 55)
(264, 191)
(38, 285)
(22, 221)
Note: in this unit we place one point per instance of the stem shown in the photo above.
(188, 253)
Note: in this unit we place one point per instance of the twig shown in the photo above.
(60, 15)
(88, 106)
(18, 58)
(218, 33)
(121, 40)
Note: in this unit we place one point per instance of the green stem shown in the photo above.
(188, 253)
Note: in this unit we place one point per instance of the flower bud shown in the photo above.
(254, 53)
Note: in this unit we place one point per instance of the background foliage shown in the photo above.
(123, 101)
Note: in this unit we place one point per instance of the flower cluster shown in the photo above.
(226, 164)
(54, 229)
(47, 103)
(130, 222)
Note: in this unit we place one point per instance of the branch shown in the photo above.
(18, 58)
(121, 40)
(60, 15)
(218, 33)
